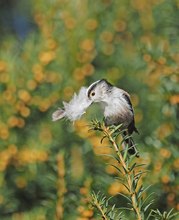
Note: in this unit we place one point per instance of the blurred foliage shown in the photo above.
(47, 170)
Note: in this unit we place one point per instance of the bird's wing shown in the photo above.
(127, 98)
(131, 127)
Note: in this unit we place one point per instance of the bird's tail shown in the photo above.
(131, 145)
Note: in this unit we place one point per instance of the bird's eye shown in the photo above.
(93, 93)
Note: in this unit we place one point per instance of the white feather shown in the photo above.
(58, 114)
(76, 107)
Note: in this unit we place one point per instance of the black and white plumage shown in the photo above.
(117, 107)
(115, 102)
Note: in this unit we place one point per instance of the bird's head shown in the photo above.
(99, 90)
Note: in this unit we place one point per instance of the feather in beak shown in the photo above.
(75, 108)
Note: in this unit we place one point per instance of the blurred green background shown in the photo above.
(48, 50)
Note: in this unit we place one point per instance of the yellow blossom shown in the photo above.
(91, 24)
(120, 25)
(46, 57)
(106, 36)
(24, 95)
(3, 66)
(87, 44)
(31, 84)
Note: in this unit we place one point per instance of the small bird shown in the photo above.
(117, 108)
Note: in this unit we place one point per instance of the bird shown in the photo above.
(117, 108)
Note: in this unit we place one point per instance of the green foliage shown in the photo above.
(130, 173)
(102, 204)
(157, 215)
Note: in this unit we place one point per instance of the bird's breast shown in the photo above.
(117, 113)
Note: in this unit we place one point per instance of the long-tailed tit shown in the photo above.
(117, 107)
(116, 104)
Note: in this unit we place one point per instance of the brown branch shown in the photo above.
(125, 173)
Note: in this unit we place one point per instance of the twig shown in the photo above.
(126, 172)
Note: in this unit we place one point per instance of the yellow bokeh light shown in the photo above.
(24, 95)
